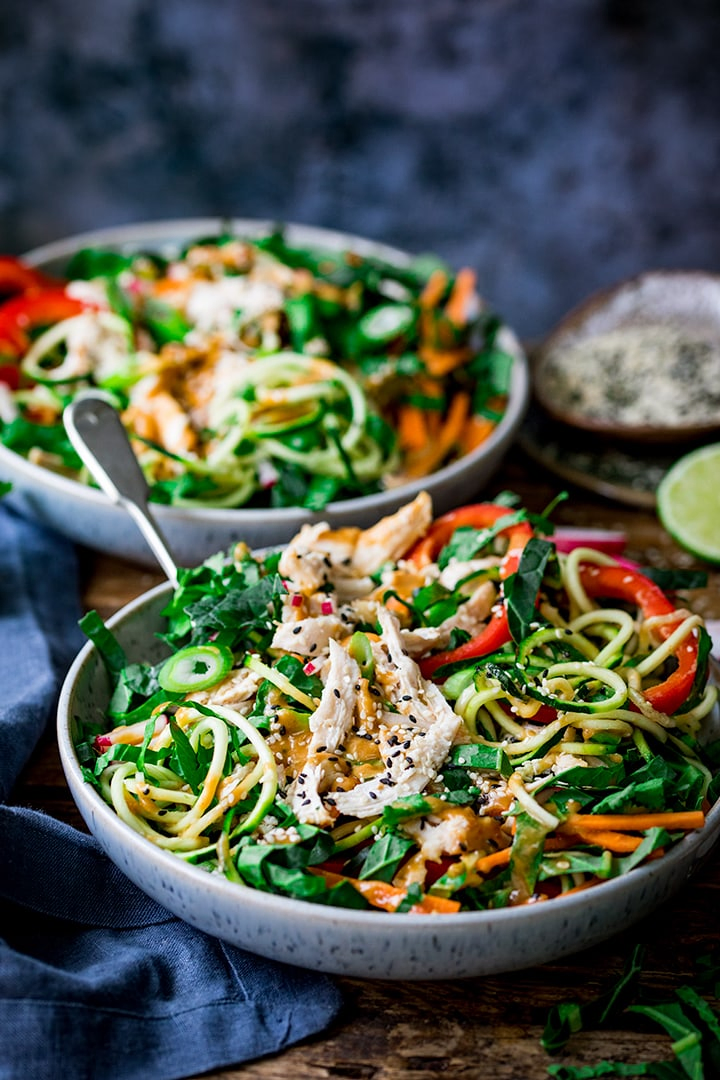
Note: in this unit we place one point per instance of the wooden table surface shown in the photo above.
(479, 1027)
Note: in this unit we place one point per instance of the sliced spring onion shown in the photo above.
(386, 322)
(361, 651)
(195, 668)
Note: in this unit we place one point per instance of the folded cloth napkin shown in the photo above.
(96, 979)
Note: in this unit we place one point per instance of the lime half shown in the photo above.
(688, 502)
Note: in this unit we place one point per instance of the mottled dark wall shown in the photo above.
(556, 145)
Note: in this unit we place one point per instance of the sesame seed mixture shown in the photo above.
(636, 376)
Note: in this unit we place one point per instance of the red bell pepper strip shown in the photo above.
(17, 277)
(10, 375)
(478, 515)
(495, 634)
(621, 583)
(22, 314)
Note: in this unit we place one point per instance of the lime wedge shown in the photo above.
(688, 502)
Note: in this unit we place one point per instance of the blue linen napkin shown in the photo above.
(96, 979)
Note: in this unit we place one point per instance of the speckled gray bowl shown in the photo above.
(357, 943)
(87, 516)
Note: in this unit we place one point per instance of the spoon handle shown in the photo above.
(96, 431)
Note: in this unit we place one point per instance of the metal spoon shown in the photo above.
(96, 431)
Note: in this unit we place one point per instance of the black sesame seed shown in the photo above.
(336, 692)
(406, 697)
(321, 749)
(372, 794)
(313, 647)
(407, 744)
(297, 629)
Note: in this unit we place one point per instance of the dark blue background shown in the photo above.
(555, 145)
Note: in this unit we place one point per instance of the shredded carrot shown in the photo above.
(458, 306)
(489, 862)
(430, 387)
(606, 838)
(381, 895)
(425, 461)
(477, 430)
(434, 289)
(434, 424)
(178, 286)
(688, 819)
(558, 843)
(440, 362)
(412, 428)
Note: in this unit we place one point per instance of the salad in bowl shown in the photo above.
(252, 369)
(428, 717)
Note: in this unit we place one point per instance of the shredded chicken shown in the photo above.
(329, 724)
(154, 414)
(392, 536)
(424, 719)
(345, 558)
(309, 637)
(237, 690)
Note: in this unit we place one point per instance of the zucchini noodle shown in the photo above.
(137, 800)
(668, 646)
(530, 805)
(579, 599)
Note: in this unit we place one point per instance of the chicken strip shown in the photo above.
(329, 725)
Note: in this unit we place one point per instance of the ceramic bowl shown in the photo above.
(685, 303)
(88, 517)
(363, 944)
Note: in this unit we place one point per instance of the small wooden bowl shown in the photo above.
(657, 304)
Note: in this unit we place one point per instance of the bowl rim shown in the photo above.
(172, 231)
(273, 903)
